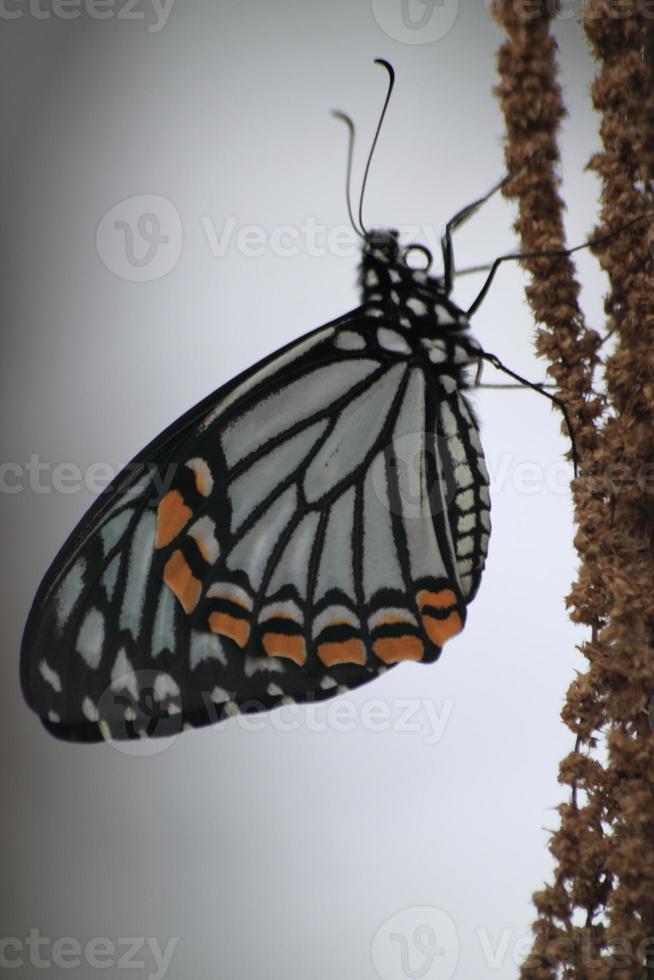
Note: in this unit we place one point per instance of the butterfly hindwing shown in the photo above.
(292, 528)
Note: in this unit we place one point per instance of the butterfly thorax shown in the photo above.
(414, 303)
(410, 295)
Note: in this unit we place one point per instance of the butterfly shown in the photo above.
(314, 522)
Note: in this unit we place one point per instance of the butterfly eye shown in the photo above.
(420, 265)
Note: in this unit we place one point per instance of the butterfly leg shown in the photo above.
(544, 253)
(535, 386)
(455, 222)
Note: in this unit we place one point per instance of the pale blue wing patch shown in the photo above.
(272, 416)
(90, 638)
(139, 562)
(163, 632)
(252, 552)
(248, 491)
(355, 432)
(109, 577)
(298, 350)
(113, 530)
(409, 447)
(335, 569)
(69, 592)
(292, 568)
(381, 568)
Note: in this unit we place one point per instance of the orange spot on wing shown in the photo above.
(281, 645)
(440, 600)
(203, 481)
(172, 515)
(440, 630)
(347, 652)
(391, 649)
(236, 629)
(178, 576)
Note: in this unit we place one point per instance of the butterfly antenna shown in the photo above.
(348, 177)
(391, 82)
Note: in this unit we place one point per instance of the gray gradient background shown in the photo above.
(273, 853)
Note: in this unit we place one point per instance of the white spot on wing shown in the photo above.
(465, 501)
(89, 710)
(287, 610)
(202, 473)
(393, 341)
(123, 676)
(466, 523)
(165, 687)
(349, 340)
(333, 615)
(253, 665)
(417, 306)
(227, 590)
(90, 638)
(69, 592)
(50, 676)
(463, 476)
(403, 615)
(205, 646)
(448, 420)
(464, 547)
(203, 533)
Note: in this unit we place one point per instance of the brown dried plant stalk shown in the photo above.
(595, 920)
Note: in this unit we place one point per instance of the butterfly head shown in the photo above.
(403, 292)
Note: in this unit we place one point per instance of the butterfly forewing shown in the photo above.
(317, 520)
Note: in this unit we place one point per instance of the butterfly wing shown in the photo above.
(293, 535)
